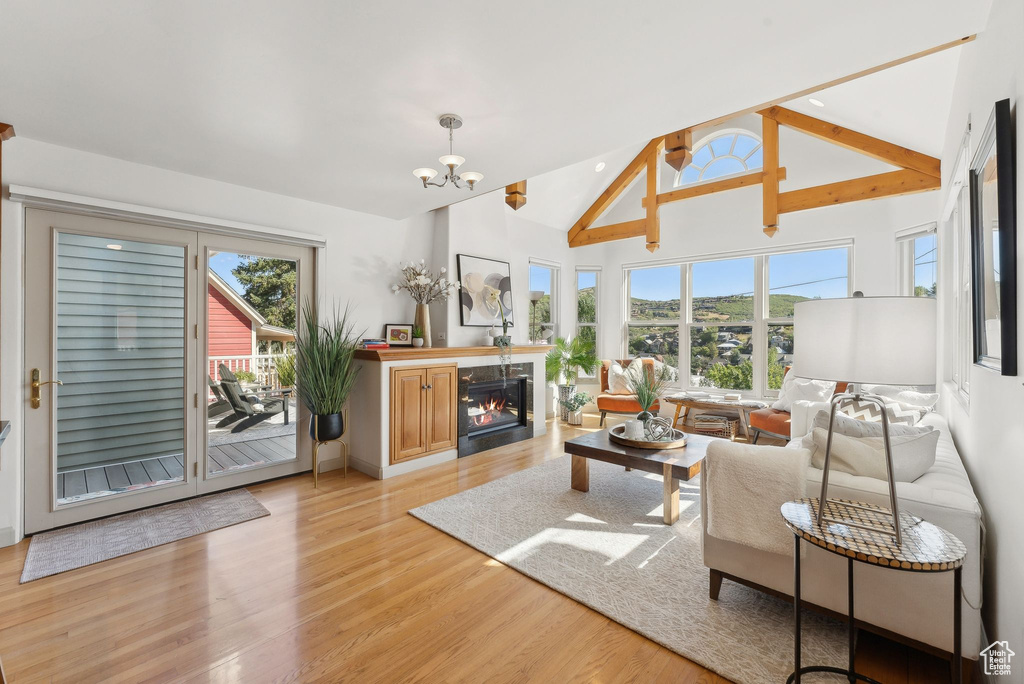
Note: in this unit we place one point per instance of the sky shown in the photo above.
(221, 263)
(787, 272)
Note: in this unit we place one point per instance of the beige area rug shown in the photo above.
(609, 550)
(73, 547)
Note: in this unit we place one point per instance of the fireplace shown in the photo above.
(494, 411)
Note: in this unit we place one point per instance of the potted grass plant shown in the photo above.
(417, 336)
(648, 386)
(568, 358)
(325, 372)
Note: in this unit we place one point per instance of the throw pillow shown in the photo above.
(802, 389)
(912, 455)
(898, 413)
(907, 397)
(852, 427)
(618, 377)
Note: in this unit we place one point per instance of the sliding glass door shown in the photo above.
(159, 365)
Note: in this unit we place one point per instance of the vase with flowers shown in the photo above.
(425, 288)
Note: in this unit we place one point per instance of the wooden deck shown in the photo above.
(75, 485)
(254, 452)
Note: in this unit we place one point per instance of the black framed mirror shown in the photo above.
(994, 244)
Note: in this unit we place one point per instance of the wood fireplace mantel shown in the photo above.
(425, 353)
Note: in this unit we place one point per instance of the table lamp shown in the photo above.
(865, 340)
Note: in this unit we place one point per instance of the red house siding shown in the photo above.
(229, 330)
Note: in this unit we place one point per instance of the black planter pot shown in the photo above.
(326, 428)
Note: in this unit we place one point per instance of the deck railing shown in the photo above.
(261, 365)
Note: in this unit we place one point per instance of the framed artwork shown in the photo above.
(994, 245)
(486, 291)
(398, 334)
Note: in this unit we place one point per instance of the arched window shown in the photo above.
(724, 153)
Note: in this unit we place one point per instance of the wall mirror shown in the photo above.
(993, 245)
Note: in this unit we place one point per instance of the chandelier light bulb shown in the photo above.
(424, 174)
(471, 177)
(452, 161)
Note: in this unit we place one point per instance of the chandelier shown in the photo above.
(451, 160)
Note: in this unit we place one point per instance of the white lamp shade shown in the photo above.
(869, 340)
(452, 160)
(424, 173)
(536, 295)
(471, 177)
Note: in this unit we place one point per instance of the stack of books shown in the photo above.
(373, 343)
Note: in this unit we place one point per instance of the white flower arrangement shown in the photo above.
(423, 286)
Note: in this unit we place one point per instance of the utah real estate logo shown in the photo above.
(997, 658)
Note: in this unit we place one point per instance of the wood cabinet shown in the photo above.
(423, 411)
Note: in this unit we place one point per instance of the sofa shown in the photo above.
(621, 403)
(915, 608)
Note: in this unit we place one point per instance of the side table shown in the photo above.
(925, 548)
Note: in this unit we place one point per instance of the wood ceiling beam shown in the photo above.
(770, 184)
(711, 187)
(653, 226)
(890, 184)
(852, 140)
(679, 149)
(515, 195)
(615, 231)
(6, 131)
(612, 192)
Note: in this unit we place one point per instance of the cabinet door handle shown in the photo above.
(423, 387)
(430, 387)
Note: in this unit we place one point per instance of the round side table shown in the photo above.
(925, 548)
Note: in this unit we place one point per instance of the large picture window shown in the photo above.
(587, 281)
(735, 315)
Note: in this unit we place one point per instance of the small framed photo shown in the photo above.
(398, 334)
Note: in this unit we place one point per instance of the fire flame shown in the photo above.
(491, 410)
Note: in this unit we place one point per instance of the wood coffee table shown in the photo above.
(673, 464)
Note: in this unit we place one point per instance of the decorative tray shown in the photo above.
(677, 440)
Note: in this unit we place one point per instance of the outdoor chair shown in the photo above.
(250, 408)
(221, 404)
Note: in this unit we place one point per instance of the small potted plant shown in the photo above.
(417, 336)
(566, 360)
(574, 406)
(648, 386)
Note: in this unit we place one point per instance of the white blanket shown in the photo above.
(746, 486)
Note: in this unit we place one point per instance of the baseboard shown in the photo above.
(8, 536)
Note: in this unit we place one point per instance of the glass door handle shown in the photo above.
(36, 384)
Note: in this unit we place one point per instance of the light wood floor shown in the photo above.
(340, 584)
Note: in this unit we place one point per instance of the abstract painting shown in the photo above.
(486, 286)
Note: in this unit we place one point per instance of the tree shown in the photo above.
(270, 288)
(726, 376)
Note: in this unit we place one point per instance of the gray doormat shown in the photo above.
(73, 547)
(609, 550)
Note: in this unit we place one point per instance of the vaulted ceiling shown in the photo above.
(336, 102)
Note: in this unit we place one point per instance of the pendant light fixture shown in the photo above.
(450, 160)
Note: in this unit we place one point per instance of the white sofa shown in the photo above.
(915, 606)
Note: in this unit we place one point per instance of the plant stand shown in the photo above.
(319, 443)
(565, 393)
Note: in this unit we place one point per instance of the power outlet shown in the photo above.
(442, 336)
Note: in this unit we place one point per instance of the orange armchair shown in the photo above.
(621, 403)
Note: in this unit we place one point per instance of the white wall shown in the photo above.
(990, 434)
(360, 260)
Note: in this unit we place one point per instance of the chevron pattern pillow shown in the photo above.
(898, 413)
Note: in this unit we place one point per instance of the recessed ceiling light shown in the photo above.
(113, 246)
(816, 102)
(600, 167)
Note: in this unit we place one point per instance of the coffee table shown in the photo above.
(742, 407)
(672, 464)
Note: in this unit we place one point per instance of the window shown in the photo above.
(917, 262)
(722, 293)
(543, 300)
(792, 278)
(652, 327)
(586, 305)
(735, 315)
(726, 153)
(957, 234)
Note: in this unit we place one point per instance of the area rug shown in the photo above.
(73, 547)
(609, 550)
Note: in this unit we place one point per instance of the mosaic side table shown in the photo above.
(925, 548)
